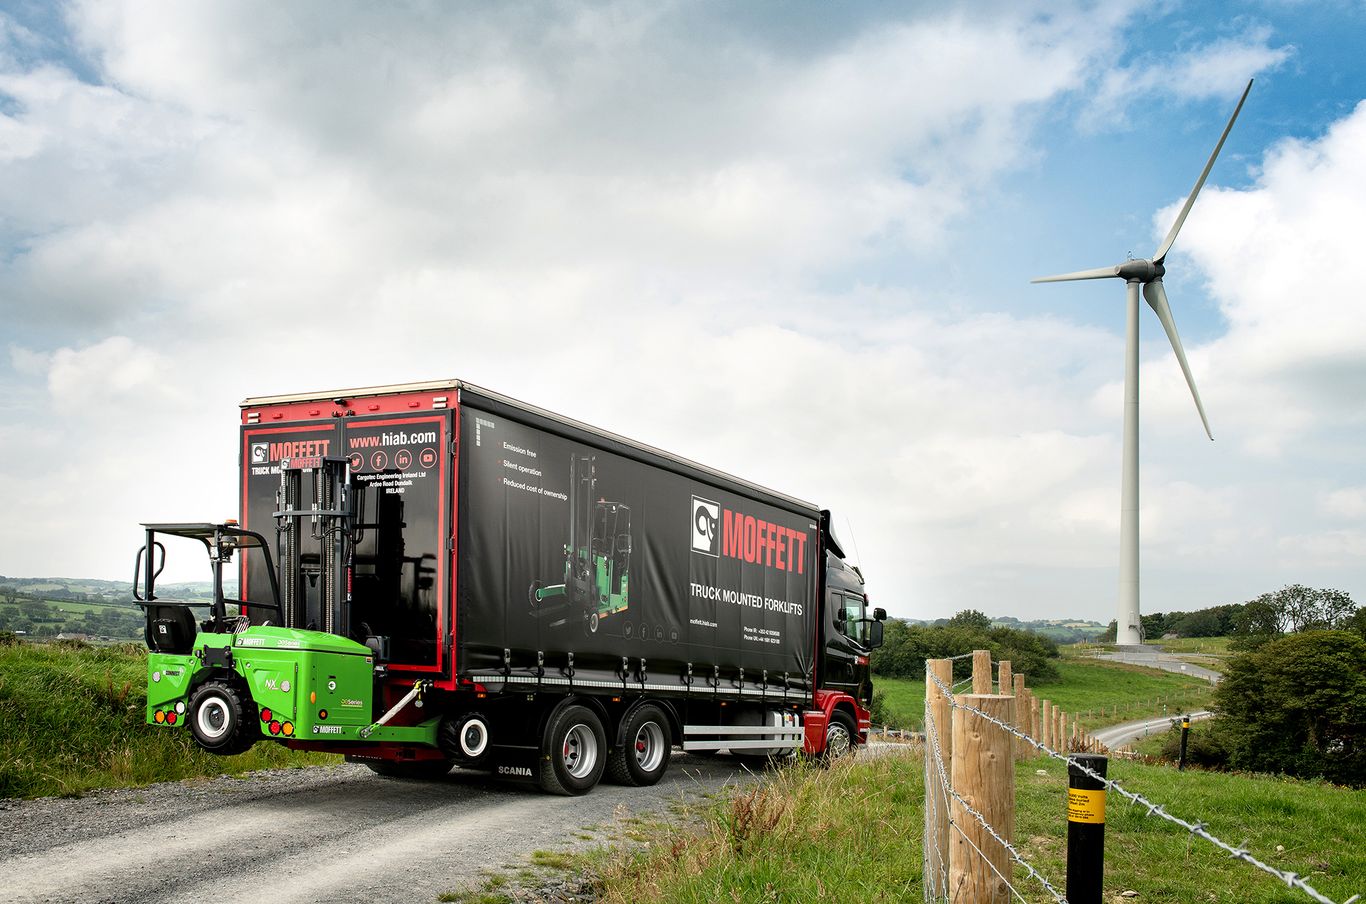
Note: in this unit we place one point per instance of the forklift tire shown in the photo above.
(531, 592)
(412, 770)
(223, 718)
(573, 751)
(644, 753)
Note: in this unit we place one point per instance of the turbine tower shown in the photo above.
(1148, 275)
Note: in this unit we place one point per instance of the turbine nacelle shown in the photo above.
(1140, 271)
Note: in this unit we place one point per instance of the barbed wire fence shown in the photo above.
(942, 798)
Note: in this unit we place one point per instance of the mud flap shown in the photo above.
(514, 763)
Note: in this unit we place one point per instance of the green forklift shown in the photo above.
(596, 558)
(273, 668)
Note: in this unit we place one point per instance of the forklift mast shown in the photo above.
(329, 518)
(583, 482)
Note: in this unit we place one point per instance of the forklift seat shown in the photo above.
(170, 629)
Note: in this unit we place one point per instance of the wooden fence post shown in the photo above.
(939, 711)
(1022, 750)
(1003, 670)
(984, 776)
(981, 671)
(1034, 720)
(1046, 727)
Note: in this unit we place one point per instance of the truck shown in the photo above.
(435, 575)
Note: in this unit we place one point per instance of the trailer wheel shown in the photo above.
(222, 718)
(531, 592)
(644, 754)
(593, 623)
(573, 751)
(839, 737)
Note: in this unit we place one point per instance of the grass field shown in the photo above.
(1216, 646)
(853, 833)
(120, 621)
(71, 719)
(1110, 692)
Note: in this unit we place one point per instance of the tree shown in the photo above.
(1357, 623)
(906, 647)
(1290, 610)
(1204, 623)
(1298, 705)
(971, 619)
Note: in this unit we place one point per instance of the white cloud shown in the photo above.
(1280, 259)
(1219, 69)
(641, 215)
(1344, 502)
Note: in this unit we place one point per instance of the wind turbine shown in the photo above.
(1148, 274)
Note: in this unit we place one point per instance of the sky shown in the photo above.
(791, 241)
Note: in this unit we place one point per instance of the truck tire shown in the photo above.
(839, 737)
(644, 753)
(413, 770)
(573, 751)
(223, 718)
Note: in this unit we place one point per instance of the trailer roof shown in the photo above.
(479, 392)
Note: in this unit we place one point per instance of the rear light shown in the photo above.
(287, 729)
(170, 718)
(159, 717)
(274, 727)
(265, 714)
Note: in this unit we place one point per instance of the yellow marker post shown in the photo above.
(1085, 829)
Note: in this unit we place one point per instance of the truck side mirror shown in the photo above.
(879, 614)
(874, 635)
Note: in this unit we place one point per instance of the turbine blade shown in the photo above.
(1098, 273)
(1157, 300)
(1199, 183)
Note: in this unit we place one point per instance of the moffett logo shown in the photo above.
(706, 521)
(260, 453)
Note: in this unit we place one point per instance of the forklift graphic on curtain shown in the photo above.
(596, 558)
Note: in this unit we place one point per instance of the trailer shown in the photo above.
(435, 575)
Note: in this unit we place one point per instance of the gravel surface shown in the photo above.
(1117, 736)
(1154, 658)
(327, 833)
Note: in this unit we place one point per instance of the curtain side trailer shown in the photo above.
(435, 575)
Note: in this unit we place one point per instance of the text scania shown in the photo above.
(751, 539)
(299, 449)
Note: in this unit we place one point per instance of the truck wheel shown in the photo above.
(415, 770)
(573, 751)
(644, 754)
(222, 718)
(839, 737)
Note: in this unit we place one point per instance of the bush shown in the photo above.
(1298, 705)
(1205, 746)
(906, 647)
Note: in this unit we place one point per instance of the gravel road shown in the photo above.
(1155, 658)
(1117, 736)
(328, 833)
